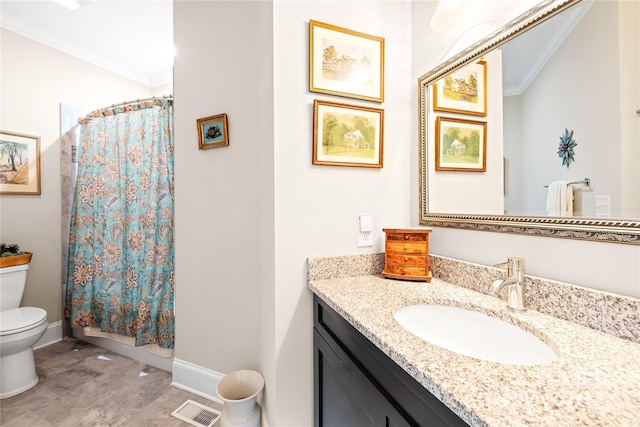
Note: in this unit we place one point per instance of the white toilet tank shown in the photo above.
(12, 281)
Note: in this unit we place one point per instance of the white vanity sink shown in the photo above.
(474, 334)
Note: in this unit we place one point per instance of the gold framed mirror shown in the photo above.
(442, 193)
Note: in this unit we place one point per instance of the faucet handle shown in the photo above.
(514, 265)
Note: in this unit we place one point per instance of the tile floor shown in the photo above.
(78, 388)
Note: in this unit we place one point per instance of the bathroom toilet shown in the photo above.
(20, 329)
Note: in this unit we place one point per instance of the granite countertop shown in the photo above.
(595, 382)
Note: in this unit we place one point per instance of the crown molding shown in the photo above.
(25, 29)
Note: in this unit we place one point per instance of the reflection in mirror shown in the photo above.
(576, 81)
(571, 71)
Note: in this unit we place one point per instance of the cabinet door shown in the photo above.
(340, 400)
(340, 350)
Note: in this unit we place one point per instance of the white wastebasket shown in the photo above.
(239, 391)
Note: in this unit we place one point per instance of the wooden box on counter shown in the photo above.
(406, 254)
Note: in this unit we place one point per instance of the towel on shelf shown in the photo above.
(560, 199)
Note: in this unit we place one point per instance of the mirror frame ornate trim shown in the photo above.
(616, 230)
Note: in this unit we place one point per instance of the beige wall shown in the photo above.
(317, 207)
(218, 191)
(35, 79)
(594, 114)
(249, 215)
(610, 31)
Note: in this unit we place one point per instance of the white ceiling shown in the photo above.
(134, 38)
(130, 38)
(524, 56)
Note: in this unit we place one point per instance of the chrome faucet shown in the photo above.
(514, 284)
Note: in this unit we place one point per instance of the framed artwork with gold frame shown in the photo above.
(461, 145)
(347, 135)
(19, 163)
(463, 91)
(346, 63)
(213, 132)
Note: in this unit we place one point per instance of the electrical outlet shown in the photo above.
(365, 238)
(603, 206)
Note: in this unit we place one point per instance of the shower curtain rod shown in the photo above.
(135, 101)
(99, 112)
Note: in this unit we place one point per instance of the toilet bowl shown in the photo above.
(20, 329)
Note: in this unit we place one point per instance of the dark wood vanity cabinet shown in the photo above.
(356, 384)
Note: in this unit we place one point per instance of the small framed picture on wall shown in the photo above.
(19, 163)
(213, 132)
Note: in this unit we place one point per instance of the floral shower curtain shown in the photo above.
(121, 267)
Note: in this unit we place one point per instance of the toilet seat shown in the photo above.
(21, 319)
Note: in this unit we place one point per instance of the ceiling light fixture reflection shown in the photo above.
(69, 4)
(451, 14)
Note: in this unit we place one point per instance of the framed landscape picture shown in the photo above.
(19, 163)
(345, 63)
(463, 91)
(347, 135)
(461, 145)
(213, 132)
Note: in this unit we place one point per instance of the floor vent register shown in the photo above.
(196, 414)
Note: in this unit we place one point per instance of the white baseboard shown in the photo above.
(196, 379)
(52, 335)
(187, 376)
(135, 353)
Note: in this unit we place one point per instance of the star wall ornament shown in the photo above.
(565, 149)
